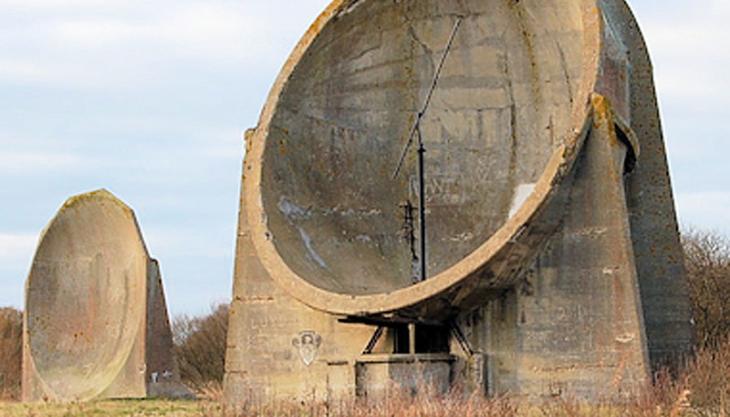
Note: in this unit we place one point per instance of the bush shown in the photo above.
(200, 349)
(11, 348)
(707, 257)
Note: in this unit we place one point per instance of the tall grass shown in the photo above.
(395, 405)
(701, 389)
(708, 378)
(668, 398)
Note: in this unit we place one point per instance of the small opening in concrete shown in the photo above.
(428, 339)
(630, 162)
(432, 339)
(401, 339)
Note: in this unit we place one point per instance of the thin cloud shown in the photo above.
(689, 49)
(200, 30)
(17, 163)
(705, 209)
(141, 45)
(169, 242)
(24, 72)
(16, 255)
(51, 4)
(16, 248)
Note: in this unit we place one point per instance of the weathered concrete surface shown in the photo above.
(545, 257)
(574, 325)
(654, 228)
(96, 324)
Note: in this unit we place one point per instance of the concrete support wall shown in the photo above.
(267, 358)
(654, 228)
(575, 325)
(161, 371)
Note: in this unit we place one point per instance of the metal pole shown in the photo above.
(426, 103)
(416, 131)
(422, 201)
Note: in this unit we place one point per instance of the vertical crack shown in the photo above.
(514, 139)
(426, 50)
(564, 65)
(513, 119)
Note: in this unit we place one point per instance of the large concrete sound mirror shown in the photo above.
(96, 323)
(553, 258)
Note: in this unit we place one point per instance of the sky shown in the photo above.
(150, 99)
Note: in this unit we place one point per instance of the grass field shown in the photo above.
(130, 408)
(444, 407)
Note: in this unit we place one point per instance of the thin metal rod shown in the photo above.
(427, 102)
(422, 203)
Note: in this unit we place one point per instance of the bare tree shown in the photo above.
(11, 346)
(200, 348)
(707, 256)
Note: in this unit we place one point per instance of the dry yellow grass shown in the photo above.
(394, 407)
(106, 409)
(701, 391)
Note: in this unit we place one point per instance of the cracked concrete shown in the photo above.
(542, 134)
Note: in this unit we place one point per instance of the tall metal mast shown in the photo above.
(416, 131)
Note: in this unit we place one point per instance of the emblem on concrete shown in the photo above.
(307, 343)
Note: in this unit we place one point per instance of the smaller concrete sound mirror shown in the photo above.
(96, 324)
(554, 265)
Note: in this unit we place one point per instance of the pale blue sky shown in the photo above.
(149, 99)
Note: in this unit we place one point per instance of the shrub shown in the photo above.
(707, 257)
(11, 347)
(200, 349)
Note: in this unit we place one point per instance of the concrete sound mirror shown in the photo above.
(96, 323)
(525, 243)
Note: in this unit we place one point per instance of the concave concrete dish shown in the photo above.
(91, 289)
(325, 211)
